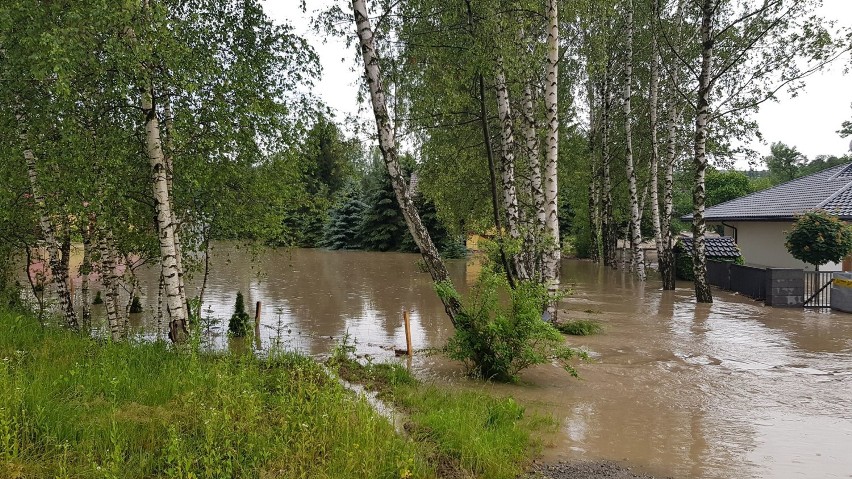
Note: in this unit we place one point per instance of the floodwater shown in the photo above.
(731, 389)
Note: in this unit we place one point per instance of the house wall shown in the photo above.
(762, 243)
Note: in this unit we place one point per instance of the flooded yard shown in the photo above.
(730, 389)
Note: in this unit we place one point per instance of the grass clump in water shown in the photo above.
(75, 407)
(580, 327)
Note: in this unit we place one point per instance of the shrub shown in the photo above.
(239, 323)
(496, 341)
(818, 238)
(98, 298)
(580, 327)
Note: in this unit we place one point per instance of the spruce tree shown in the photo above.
(343, 229)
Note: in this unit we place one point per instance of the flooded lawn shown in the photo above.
(732, 389)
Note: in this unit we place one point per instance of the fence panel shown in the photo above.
(719, 274)
(748, 280)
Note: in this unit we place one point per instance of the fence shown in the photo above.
(818, 289)
(747, 280)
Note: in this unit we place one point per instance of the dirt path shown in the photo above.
(585, 470)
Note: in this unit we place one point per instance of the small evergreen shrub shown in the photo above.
(98, 298)
(498, 341)
(239, 324)
(136, 305)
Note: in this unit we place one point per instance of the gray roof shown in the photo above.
(714, 247)
(829, 190)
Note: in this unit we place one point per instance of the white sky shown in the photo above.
(809, 121)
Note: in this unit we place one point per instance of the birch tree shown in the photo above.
(387, 145)
(748, 53)
(551, 187)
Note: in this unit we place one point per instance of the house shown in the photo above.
(759, 222)
(716, 248)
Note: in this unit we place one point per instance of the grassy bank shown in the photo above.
(72, 407)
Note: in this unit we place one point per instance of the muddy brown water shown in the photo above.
(731, 389)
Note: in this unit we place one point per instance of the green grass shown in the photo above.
(466, 434)
(580, 327)
(72, 407)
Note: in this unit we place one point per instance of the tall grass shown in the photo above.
(72, 407)
(464, 433)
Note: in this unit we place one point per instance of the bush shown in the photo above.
(239, 323)
(497, 342)
(818, 238)
(98, 298)
(580, 327)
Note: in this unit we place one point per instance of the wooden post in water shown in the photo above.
(407, 320)
(257, 315)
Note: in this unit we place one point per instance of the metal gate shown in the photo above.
(818, 289)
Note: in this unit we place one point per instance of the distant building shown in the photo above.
(759, 222)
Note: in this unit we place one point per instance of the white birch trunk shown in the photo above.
(55, 260)
(653, 101)
(168, 156)
(666, 259)
(507, 166)
(175, 307)
(551, 188)
(699, 263)
(608, 230)
(109, 280)
(531, 147)
(387, 145)
(637, 260)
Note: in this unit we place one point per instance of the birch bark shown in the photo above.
(551, 192)
(109, 279)
(699, 194)
(666, 257)
(653, 101)
(168, 155)
(637, 259)
(387, 145)
(55, 261)
(608, 229)
(175, 306)
(507, 165)
(531, 146)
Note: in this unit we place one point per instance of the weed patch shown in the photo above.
(580, 327)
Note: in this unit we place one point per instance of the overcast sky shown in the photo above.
(809, 121)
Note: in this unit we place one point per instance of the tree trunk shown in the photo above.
(55, 261)
(551, 187)
(594, 196)
(608, 227)
(387, 145)
(666, 257)
(507, 166)
(86, 228)
(175, 306)
(637, 259)
(492, 173)
(531, 145)
(168, 157)
(653, 101)
(699, 261)
(110, 284)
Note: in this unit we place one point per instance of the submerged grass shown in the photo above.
(580, 327)
(466, 434)
(74, 407)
